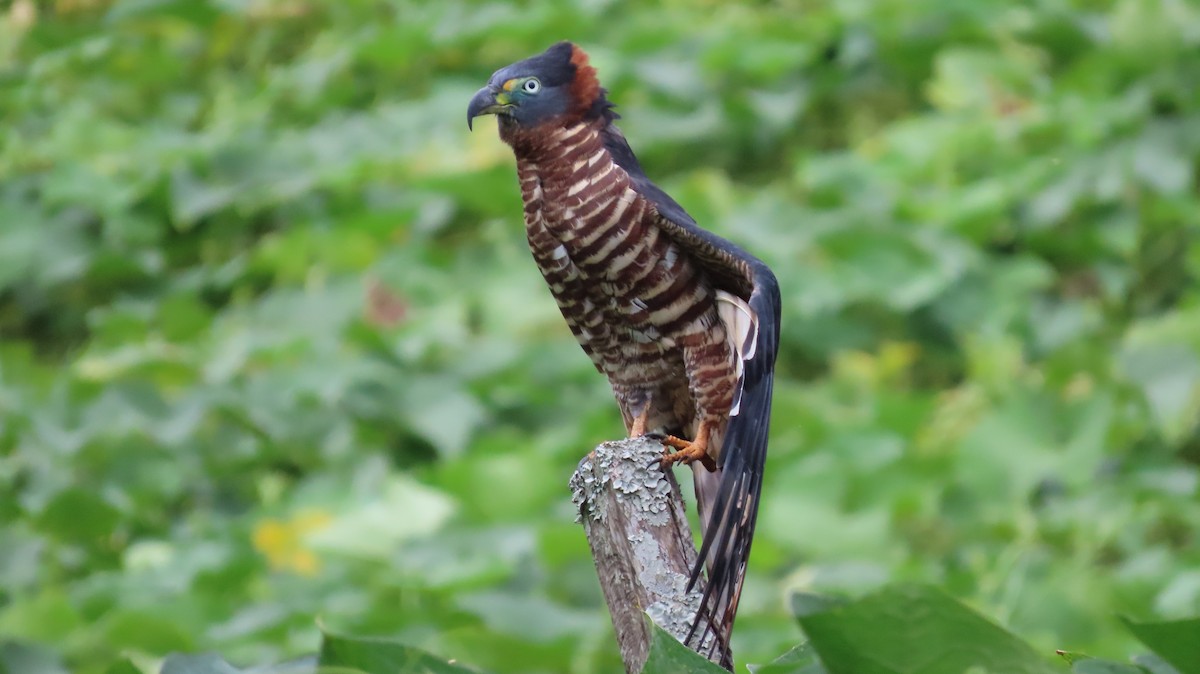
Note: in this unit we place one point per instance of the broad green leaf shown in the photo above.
(206, 663)
(1095, 666)
(910, 629)
(1086, 664)
(304, 665)
(809, 603)
(24, 658)
(800, 660)
(39, 617)
(669, 656)
(1154, 664)
(534, 618)
(1175, 641)
(79, 515)
(442, 413)
(382, 656)
(193, 198)
(123, 666)
(209, 663)
(373, 530)
(146, 630)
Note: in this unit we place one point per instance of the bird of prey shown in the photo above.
(684, 324)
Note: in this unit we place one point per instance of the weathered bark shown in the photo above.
(636, 523)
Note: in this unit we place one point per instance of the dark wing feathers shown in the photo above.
(723, 260)
(730, 529)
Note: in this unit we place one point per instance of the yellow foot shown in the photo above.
(638, 429)
(686, 452)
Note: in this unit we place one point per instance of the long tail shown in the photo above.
(728, 499)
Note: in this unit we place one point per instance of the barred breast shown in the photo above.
(637, 304)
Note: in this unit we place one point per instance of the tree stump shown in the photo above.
(636, 523)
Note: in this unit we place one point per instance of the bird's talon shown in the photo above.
(678, 444)
(685, 453)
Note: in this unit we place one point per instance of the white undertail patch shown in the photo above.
(741, 328)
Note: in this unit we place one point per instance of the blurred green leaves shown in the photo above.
(913, 629)
(271, 345)
(901, 629)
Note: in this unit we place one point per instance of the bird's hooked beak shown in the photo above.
(487, 101)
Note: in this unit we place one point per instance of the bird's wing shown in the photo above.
(730, 526)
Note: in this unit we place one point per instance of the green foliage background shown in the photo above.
(273, 348)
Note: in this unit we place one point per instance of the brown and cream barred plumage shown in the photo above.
(638, 306)
(683, 323)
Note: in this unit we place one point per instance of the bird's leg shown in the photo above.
(687, 452)
(638, 429)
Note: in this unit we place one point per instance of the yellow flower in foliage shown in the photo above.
(282, 542)
(889, 367)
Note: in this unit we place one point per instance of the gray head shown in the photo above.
(557, 85)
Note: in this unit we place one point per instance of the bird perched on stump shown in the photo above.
(684, 324)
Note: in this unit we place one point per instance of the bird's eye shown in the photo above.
(531, 86)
